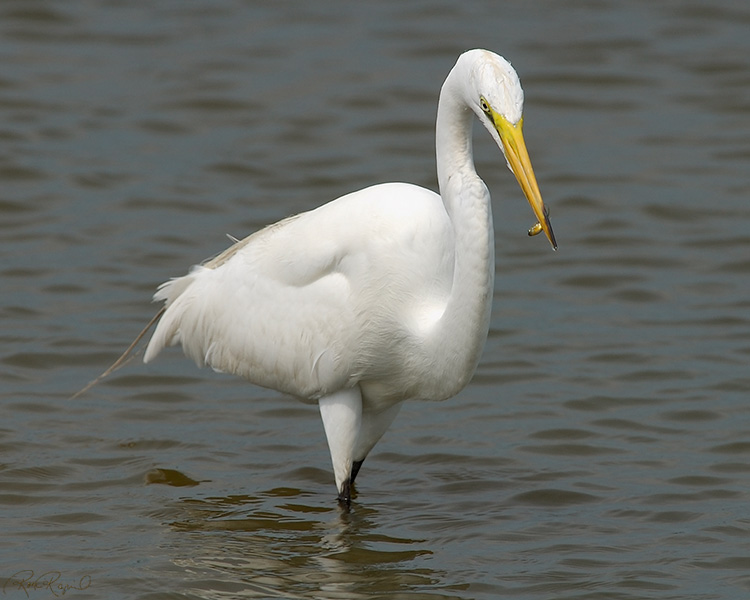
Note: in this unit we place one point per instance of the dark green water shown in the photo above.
(603, 449)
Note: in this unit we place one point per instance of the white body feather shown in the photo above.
(352, 293)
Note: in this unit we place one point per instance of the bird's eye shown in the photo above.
(484, 105)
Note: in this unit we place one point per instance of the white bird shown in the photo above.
(380, 296)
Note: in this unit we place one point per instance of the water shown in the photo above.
(602, 450)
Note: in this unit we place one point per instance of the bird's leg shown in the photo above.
(356, 466)
(374, 425)
(345, 495)
(342, 418)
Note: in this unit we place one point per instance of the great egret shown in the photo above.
(377, 297)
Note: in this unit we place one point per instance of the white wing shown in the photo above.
(320, 301)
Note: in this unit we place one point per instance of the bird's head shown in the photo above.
(495, 95)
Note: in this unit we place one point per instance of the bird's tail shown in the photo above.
(175, 305)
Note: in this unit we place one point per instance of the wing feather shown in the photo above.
(306, 306)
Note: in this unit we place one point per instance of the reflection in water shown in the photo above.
(254, 546)
(169, 477)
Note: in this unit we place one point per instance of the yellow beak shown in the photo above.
(518, 158)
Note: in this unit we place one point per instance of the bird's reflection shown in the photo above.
(288, 543)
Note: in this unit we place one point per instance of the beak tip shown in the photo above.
(552, 240)
(548, 229)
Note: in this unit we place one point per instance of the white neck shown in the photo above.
(465, 322)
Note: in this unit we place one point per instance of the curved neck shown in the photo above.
(453, 145)
(465, 322)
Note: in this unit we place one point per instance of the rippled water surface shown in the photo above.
(603, 448)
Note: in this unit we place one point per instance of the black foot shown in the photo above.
(345, 495)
